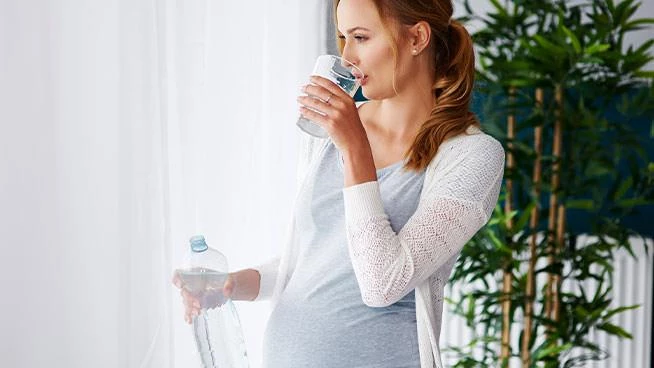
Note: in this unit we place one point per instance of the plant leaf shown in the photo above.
(597, 48)
(552, 351)
(573, 39)
(614, 330)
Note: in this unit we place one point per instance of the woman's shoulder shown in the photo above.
(466, 166)
(474, 144)
(477, 138)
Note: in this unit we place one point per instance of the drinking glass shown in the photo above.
(339, 71)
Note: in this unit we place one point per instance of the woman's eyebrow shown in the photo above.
(356, 29)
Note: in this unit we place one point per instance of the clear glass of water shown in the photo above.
(339, 71)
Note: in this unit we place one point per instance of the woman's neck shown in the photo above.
(399, 118)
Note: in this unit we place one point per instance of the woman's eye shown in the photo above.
(357, 38)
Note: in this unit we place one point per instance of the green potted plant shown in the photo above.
(563, 92)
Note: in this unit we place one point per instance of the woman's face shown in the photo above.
(368, 46)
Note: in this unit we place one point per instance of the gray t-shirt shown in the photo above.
(320, 319)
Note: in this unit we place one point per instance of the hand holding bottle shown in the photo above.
(206, 287)
(211, 298)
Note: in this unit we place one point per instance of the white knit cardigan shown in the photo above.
(461, 187)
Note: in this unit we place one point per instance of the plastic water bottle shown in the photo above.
(217, 328)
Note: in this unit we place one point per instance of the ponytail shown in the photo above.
(455, 74)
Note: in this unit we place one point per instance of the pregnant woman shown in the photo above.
(385, 203)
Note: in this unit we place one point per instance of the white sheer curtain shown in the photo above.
(126, 127)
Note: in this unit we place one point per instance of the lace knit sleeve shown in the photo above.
(456, 203)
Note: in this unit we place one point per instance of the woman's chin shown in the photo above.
(371, 94)
(368, 93)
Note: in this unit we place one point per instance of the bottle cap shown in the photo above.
(198, 244)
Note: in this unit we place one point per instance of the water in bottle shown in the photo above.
(217, 328)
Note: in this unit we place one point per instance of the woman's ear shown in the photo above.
(420, 34)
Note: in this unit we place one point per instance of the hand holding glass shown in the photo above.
(342, 73)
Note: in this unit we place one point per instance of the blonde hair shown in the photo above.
(454, 63)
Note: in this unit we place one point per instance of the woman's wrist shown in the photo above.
(246, 284)
(359, 165)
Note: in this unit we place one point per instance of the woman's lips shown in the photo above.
(361, 78)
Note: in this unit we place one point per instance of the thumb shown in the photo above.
(176, 280)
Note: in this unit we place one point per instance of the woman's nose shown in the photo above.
(348, 55)
(349, 63)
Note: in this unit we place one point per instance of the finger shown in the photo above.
(176, 280)
(190, 313)
(313, 116)
(191, 306)
(192, 310)
(317, 104)
(189, 300)
(330, 86)
(318, 91)
(188, 316)
(194, 304)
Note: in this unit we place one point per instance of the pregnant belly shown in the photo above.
(311, 332)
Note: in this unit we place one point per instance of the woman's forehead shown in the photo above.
(351, 14)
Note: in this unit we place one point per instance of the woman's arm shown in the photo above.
(244, 284)
(389, 265)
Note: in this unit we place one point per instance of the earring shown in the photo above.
(415, 51)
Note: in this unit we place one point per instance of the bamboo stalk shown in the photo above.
(552, 289)
(507, 276)
(533, 225)
(560, 237)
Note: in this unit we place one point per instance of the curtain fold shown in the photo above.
(127, 127)
(239, 73)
